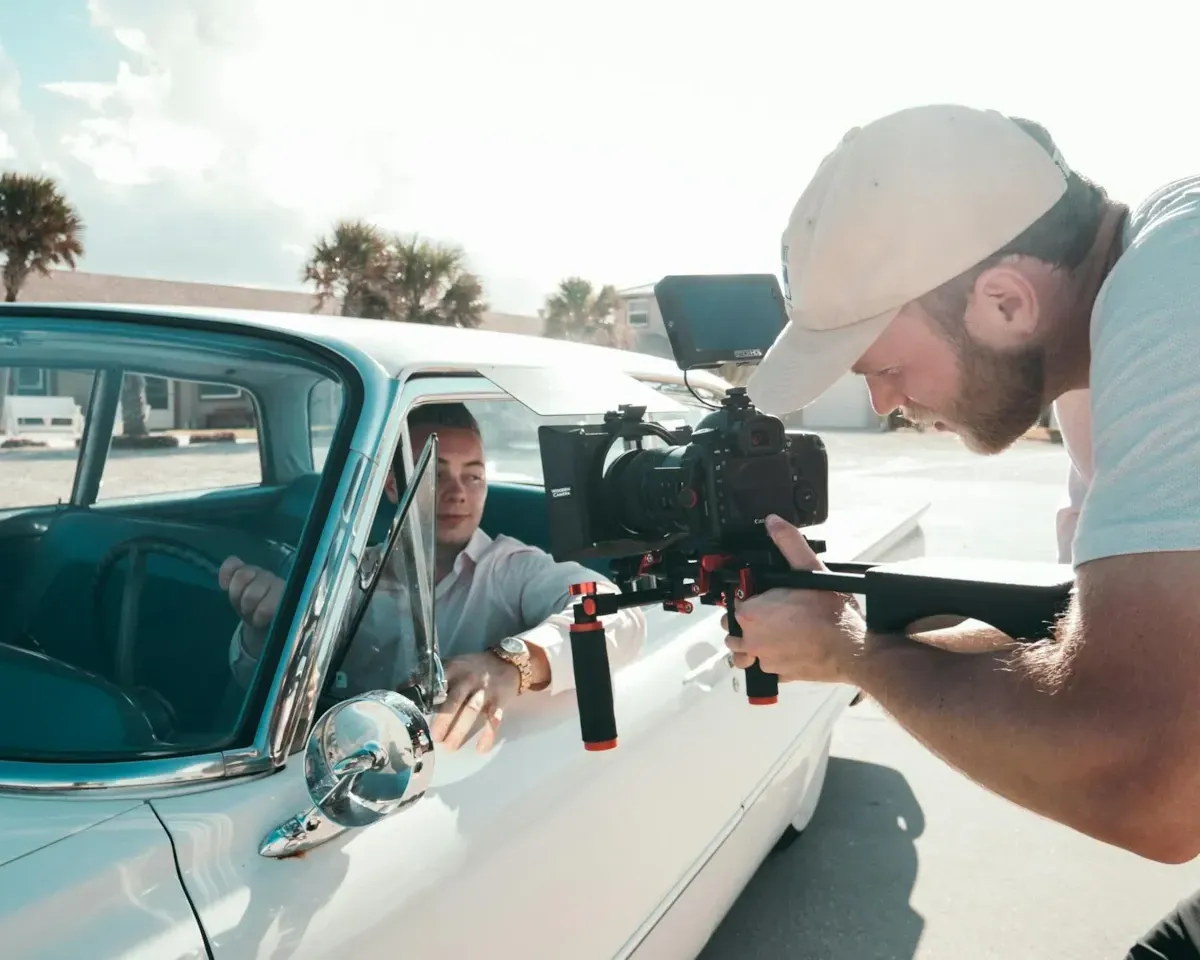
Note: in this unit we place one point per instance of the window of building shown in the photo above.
(638, 313)
(219, 391)
(30, 381)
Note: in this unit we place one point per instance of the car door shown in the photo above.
(82, 877)
(537, 849)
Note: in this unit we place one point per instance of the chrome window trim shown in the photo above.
(292, 700)
(20, 777)
(287, 714)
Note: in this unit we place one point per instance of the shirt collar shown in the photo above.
(476, 547)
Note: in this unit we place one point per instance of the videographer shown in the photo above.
(950, 257)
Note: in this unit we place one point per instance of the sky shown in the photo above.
(215, 140)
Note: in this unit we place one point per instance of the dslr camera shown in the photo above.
(706, 490)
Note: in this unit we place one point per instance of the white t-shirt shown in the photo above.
(1133, 437)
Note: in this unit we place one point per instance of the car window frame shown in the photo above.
(275, 704)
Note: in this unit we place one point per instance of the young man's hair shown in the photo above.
(452, 415)
(1061, 237)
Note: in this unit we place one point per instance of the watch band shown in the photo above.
(522, 661)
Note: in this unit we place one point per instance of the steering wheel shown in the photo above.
(159, 710)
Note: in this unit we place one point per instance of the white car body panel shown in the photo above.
(790, 794)
(97, 878)
(488, 847)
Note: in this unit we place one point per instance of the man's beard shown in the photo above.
(1000, 398)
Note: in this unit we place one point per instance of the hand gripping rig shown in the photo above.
(1022, 600)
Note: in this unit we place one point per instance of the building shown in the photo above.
(845, 406)
(638, 308)
(178, 404)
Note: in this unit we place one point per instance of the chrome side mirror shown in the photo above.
(366, 758)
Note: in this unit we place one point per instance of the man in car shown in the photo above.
(503, 608)
(952, 258)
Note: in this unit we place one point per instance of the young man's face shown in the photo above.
(461, 483)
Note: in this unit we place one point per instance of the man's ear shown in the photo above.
(1003, 309)
(390, 488)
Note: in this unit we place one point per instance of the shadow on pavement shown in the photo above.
(841, 890)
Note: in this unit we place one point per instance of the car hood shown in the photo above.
(30, 823)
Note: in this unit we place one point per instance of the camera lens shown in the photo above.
(651, 491)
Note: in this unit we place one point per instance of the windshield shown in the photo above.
(510, 430)
(155, 485)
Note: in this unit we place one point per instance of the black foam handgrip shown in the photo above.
(761, 687)
(593, 686)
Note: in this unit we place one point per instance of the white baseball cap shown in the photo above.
(900, 207)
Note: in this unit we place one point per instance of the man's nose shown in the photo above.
(885, 396)
(452, 488)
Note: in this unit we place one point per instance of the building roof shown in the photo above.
(399, 346)
(514, 323)
(78, 286)
(645, 290)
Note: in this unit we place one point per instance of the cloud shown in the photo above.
(540, 151)
(14, 125)
(283, 110)
(619, 141)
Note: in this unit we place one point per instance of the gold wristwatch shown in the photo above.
(514, 651)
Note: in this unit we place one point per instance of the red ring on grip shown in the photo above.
(762, 701)
(601, 745)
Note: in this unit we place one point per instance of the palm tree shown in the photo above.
(351, 265)
(429, 283)
(39, 229)
(575, 311)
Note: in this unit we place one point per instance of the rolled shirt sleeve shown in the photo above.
(543, 587)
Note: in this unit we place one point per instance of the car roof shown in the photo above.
(400, 347)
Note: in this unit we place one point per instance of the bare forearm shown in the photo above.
(959, 635)
(1012, 721)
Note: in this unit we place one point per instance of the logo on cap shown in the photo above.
(1059, 162)
(787, 288)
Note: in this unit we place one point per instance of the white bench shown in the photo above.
(23, 415)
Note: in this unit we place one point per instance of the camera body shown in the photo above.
(708, 490)
(701, 491)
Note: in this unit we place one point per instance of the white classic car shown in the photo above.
(150, 807)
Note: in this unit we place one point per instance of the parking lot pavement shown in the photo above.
(39, 477)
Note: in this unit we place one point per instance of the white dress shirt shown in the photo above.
(497, 588)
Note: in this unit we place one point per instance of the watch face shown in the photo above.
(512, 646)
